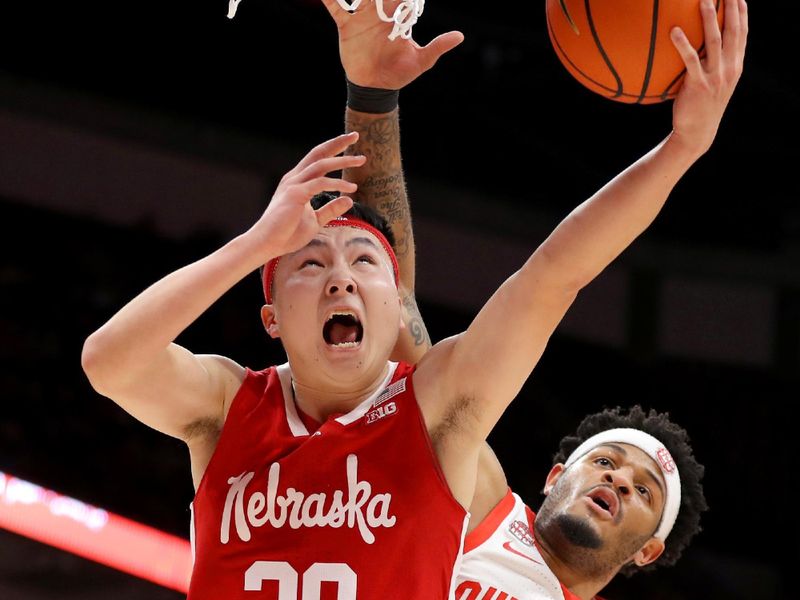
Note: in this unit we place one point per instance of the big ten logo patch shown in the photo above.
(378, 413)
(382, 407)
(522, 532)
(665, 460)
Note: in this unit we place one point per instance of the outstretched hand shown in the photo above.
(290, 222)
(710, 81)
(371, 59)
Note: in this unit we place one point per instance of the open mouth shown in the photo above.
(343, 330)
(605, 499)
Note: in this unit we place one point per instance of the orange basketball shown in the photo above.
(622, 49)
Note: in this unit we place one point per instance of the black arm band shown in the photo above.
(371, 100)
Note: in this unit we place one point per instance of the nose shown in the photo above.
(341, 286)
(621, 480)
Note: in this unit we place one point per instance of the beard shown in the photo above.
(576, 542)
(578, 532)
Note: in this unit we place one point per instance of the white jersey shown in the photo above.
(501, 560)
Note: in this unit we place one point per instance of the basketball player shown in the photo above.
(624, 494)
(309, 476)
(572, 558)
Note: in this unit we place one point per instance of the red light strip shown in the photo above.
(93, 533)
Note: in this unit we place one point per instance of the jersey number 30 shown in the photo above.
(288, 579)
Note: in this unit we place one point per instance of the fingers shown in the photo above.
(731, 29)
(333, 209)
(309, 189)
(341, 10)
(328, 165)
(734, 39)
(687, 52)
(711, 32)
(324, 150)
(744, 25)
(744, 18)
(336, 10)
(440, 46)
(307, 178)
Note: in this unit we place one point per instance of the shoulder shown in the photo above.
(225, 373)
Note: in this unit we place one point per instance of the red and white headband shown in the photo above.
(268, 276)
(655, 450)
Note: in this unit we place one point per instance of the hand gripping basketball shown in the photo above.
(621, 49)
(710, 81)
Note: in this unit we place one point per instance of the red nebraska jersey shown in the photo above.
(502, 562)
(358, 510)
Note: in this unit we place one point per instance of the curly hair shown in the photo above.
(676, 440)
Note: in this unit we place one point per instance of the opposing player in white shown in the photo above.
(612, 501)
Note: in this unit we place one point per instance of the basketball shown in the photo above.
(621, 49)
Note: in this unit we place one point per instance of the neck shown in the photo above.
(321, 401)
(579, 583)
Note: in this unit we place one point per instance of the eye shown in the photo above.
(604, 462)
(365, 258)
(643, 491)
(310, 263)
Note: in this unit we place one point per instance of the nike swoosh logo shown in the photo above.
(507, 546)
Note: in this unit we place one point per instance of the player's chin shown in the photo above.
(581, 530)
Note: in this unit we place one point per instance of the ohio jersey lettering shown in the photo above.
(356, 510)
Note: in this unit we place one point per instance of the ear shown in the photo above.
(648, 553)
(552, 477)
(269, 319)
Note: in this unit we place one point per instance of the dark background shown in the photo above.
(501, 119)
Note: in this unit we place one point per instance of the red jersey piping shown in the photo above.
(490, 523)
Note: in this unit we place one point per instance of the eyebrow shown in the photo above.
(624, 452)
(318, 243)
(360, 240)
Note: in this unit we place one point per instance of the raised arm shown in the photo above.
(383, 67)
(133, 358)
(480, 371)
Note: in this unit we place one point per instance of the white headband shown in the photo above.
(655, 450)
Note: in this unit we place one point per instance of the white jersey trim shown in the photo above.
(360, 410)
(459, 557)
(192, 533)
(296, 425)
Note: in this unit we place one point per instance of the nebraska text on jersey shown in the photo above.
(357, 507)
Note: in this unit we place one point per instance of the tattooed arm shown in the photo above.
(371, 60)
(381, 185)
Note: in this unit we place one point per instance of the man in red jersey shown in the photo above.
(309, 475)
(622, 505)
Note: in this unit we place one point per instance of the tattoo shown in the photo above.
(383, 188)
(415, 324)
